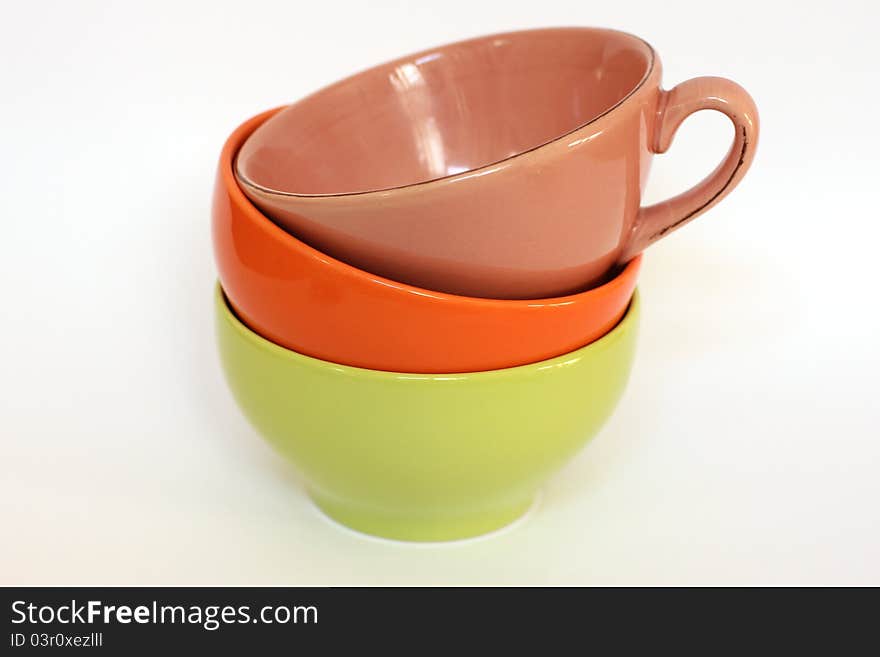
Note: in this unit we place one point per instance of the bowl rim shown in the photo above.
(241, 204)
(482, 169)
(626, 324)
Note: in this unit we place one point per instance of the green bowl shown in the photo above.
(425, 457)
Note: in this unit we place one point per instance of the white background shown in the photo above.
(747, 447)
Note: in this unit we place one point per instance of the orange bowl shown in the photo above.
(308, 302)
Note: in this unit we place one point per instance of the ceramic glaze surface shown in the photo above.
(442, 112)
(508, 166)
(305, 300)
(424, 457)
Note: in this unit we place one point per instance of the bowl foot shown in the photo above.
(424, 528)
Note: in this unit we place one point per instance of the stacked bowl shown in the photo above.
(427, 271)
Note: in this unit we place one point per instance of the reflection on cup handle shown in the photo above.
(656, 221)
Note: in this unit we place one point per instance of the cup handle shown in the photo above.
(722, 95)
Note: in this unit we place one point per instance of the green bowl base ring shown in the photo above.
(422, 528)
(424, 457)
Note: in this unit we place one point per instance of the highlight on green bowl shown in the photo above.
(424, 457)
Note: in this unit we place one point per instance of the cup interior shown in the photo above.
(445, 111)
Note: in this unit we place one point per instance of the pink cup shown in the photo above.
(509, 166)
